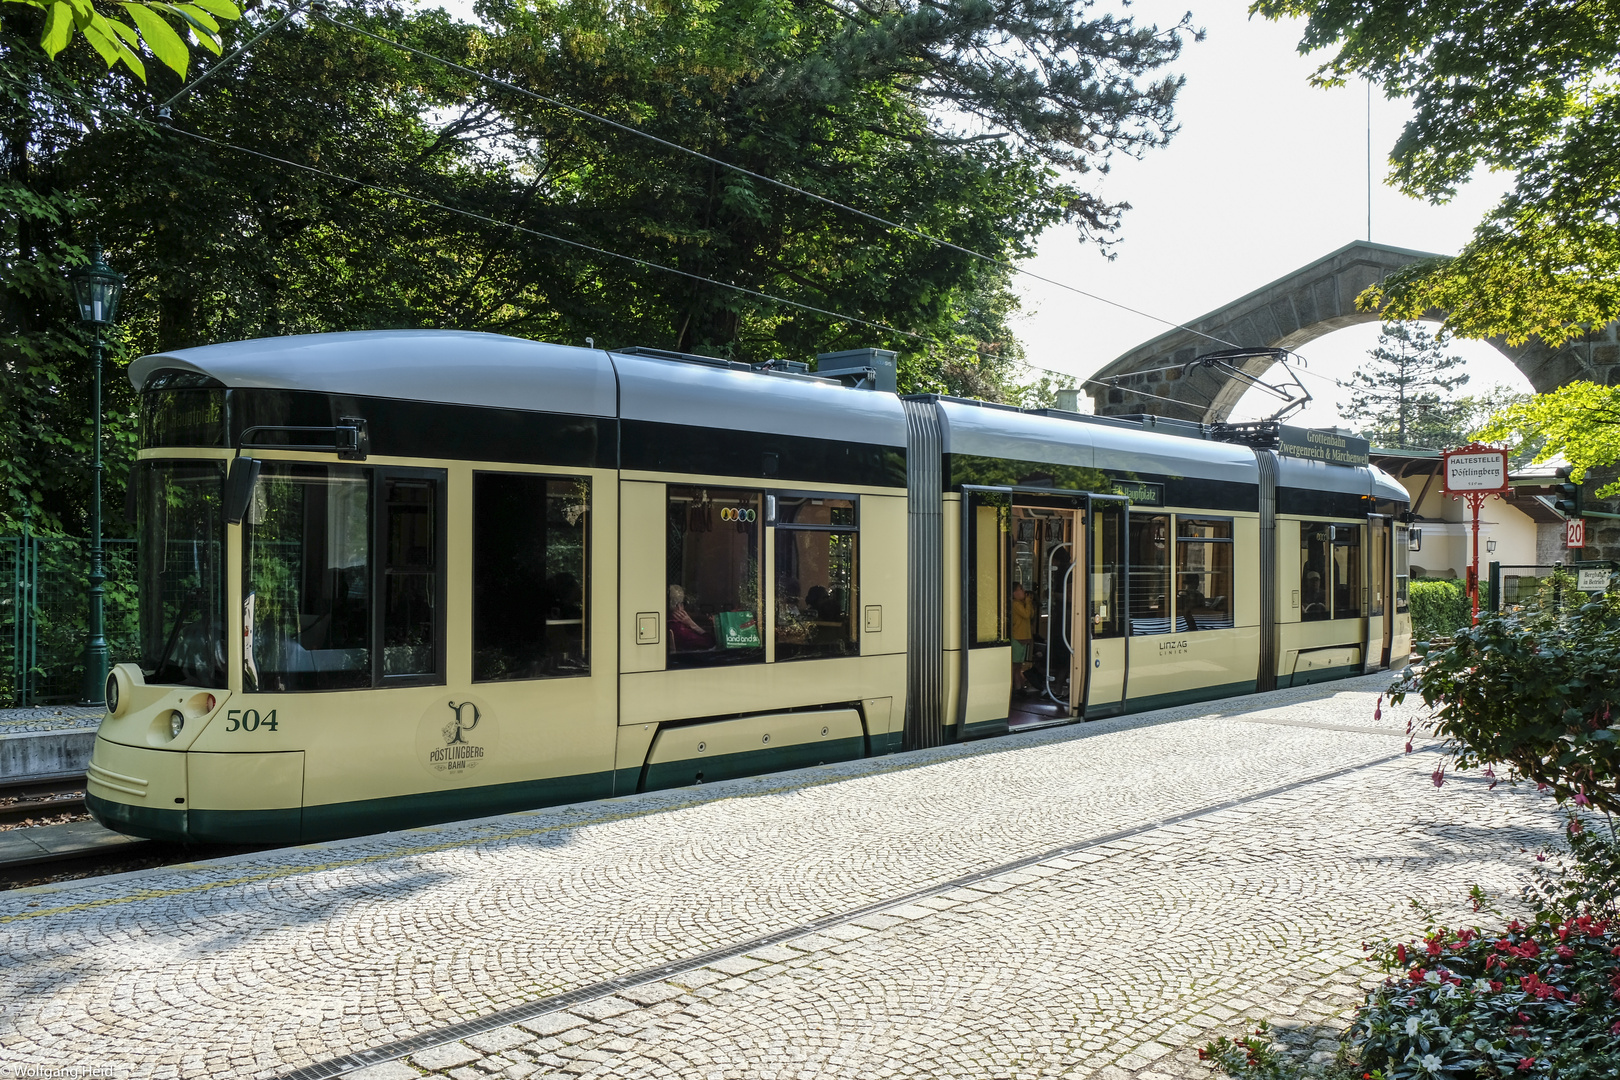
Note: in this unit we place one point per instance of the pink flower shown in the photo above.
(1526, 1064)
(1581, 799)
(1438, 776)
(1574, 826)
(1378, 709)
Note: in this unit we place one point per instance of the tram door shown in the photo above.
(1067, 562)
(1101, 664)
(1046, 542)
(1380, 592)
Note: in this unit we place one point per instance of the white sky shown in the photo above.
(1267, 175)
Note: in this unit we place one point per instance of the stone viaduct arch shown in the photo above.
(1295, 309)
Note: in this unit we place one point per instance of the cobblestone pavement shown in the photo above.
(47, 718)
(1114, 960)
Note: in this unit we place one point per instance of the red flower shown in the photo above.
(1434, 947)
(1525, 1064)
(1496, 986)
(1565, 952)
(1400, 954)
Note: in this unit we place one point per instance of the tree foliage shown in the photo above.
(1402, 398)
(1527, 89)
(117, 41)
(1579, 422)
(930, 116)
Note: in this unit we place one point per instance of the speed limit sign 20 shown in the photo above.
(1575, 533)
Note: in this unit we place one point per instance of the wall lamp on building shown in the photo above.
(1415, 539)
(1490, 547)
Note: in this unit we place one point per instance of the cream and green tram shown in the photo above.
(394, 578)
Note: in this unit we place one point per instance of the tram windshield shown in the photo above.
(182, 572)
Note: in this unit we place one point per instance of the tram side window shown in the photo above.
(1150, 574)
(529, 576)
(1203, 573)
(991, 592)
(1403, 568)
(1107, 586)
(1315, 571)
(306, 555)
(1347, 579)
(815, 578)
(713, 574)
(410, 576)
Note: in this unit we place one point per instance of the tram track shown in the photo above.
(23, 800)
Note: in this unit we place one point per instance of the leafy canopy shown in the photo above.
(1580, 421)
(117, 41)
(1531, 89)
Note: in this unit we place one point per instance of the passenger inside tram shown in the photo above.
(1022, 619)
(684, 631)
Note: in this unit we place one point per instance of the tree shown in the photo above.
(1527, 89)
(1580, 422)
(1401, 397)
(116, 40)
(220, 244)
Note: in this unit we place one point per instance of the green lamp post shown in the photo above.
(97, 289)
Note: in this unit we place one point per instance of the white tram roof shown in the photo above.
(465, 368)
(992, 431)
(451, 366)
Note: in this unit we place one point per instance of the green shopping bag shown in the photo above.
(738, 629)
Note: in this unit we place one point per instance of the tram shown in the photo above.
(396, 578)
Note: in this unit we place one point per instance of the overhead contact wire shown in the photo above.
(784, 185)
(473, 214)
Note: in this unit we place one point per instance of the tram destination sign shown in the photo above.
(1314, 444)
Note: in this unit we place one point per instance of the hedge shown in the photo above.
(1439, 608)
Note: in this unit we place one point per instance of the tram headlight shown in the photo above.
(120, 690)
(177, 721)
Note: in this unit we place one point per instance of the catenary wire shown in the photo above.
(487, 219)
(320, 11)
(226, 62)
(394, 192)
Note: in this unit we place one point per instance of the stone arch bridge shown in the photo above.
(1295, 309)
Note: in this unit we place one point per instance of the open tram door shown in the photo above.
(1380, 593)
(1045, 577)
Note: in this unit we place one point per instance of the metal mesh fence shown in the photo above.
(44, 614)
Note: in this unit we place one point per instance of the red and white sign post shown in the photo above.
(1575, 532)
(1474, 473)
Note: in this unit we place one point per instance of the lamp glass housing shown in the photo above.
(1415, 539)
(97, 289)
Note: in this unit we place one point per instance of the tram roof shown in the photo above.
(992, 431)
(451, 366)
(491, 370)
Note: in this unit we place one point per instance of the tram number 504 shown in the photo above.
(249, 720)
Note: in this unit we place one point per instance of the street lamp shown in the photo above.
(97, 288)
(1490, 547)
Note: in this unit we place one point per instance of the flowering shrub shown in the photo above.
(1533, 689)
(1541, 999)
